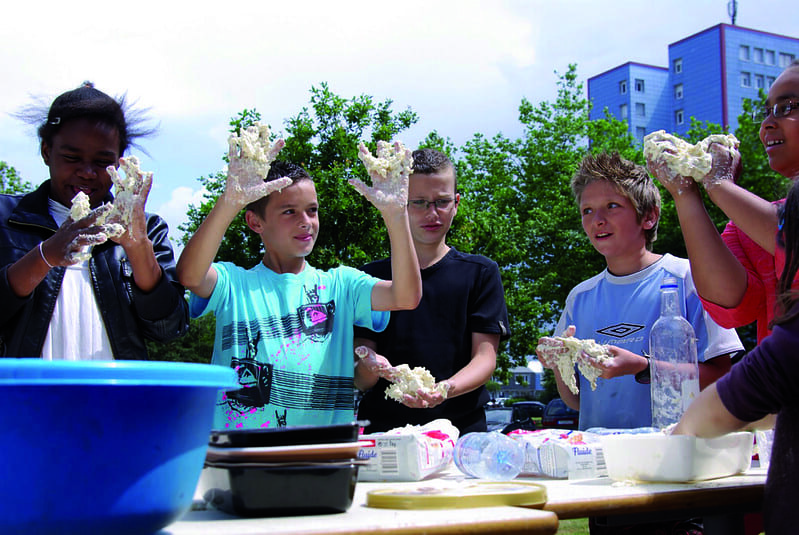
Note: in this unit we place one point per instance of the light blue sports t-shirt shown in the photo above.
(289, 337)
(620, 311)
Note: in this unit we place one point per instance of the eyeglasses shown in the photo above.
(781, 109)
(422, 205)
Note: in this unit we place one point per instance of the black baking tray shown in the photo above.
(279, 490)
(286, 436)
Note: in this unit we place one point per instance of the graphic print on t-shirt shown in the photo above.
(278, 377)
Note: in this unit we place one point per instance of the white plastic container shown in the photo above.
(676, 458)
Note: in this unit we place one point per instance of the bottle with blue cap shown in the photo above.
(673, 361)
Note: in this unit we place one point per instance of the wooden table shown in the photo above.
(360, 519)
(722, 503)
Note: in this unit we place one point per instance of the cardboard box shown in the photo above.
(406, 457)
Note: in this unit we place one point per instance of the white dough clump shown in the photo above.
(126, 190)
(121, 209)
(410, 381)
(80, 206)
(389, 163)
(683, 158)
(566, 361)
(253, 143)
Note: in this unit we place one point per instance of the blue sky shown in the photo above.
(463, 66)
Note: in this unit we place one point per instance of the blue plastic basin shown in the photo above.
(102, 447)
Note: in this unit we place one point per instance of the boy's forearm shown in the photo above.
(717, 273)
(480, 368)
(201, 249)
(406, 280)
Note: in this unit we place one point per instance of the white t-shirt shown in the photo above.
(76, 330)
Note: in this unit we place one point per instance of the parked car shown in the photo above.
(559, 415)
(528, 409)
(506, 419)
(498, 417)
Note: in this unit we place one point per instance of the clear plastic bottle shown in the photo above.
(674, 369)
(489, 455)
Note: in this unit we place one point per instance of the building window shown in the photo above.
(679, 117)
(639, 85)
(746, 79)
(786, 59)
(770, 57)
(678, 66)
(758, 55)
(623, 87)
(640, 132)
(640, 109)
(678, 92)
(743, 53)
(623, 112)
(760, 81)
(769, 81)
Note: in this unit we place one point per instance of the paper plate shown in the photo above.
(473, 494)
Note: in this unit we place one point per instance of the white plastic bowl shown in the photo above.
(676, 458)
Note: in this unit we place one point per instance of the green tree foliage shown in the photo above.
(324, 139)
(11, 182)
(518, 208)
(196, 346)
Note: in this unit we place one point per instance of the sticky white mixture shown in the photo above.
(683, 158)
(410, 381)
(567, 360)
(122, 208)
(126, 190)
(391, 162)
(253, 143)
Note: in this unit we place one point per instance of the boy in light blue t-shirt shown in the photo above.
(286, 327)
(620, 206)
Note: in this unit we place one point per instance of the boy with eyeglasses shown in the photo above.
(456, 329)
(736, 273)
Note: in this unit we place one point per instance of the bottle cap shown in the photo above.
(477, 494)
(668, 282)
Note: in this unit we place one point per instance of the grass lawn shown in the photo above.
(577, 526)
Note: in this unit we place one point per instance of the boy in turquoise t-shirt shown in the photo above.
(285, 326)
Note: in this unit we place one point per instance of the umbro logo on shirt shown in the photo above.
(620, 330)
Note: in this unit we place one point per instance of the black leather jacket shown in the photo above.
(129, 314)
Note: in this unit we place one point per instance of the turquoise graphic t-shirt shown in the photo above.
(289, 337)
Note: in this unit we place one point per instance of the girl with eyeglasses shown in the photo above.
(736, 273)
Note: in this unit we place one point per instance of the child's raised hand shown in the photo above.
(726, 165)
(389, 172)
(73, 241)
(674, 183)
(130, 196)
(251, 155)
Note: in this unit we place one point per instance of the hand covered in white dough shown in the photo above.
(389, 172)
(251, 155)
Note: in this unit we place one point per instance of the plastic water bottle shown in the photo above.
(489, 455)
(673, 364)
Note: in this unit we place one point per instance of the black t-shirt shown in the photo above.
(462, 294)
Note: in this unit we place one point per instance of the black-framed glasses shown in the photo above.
(423, 205)
(781, 109)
